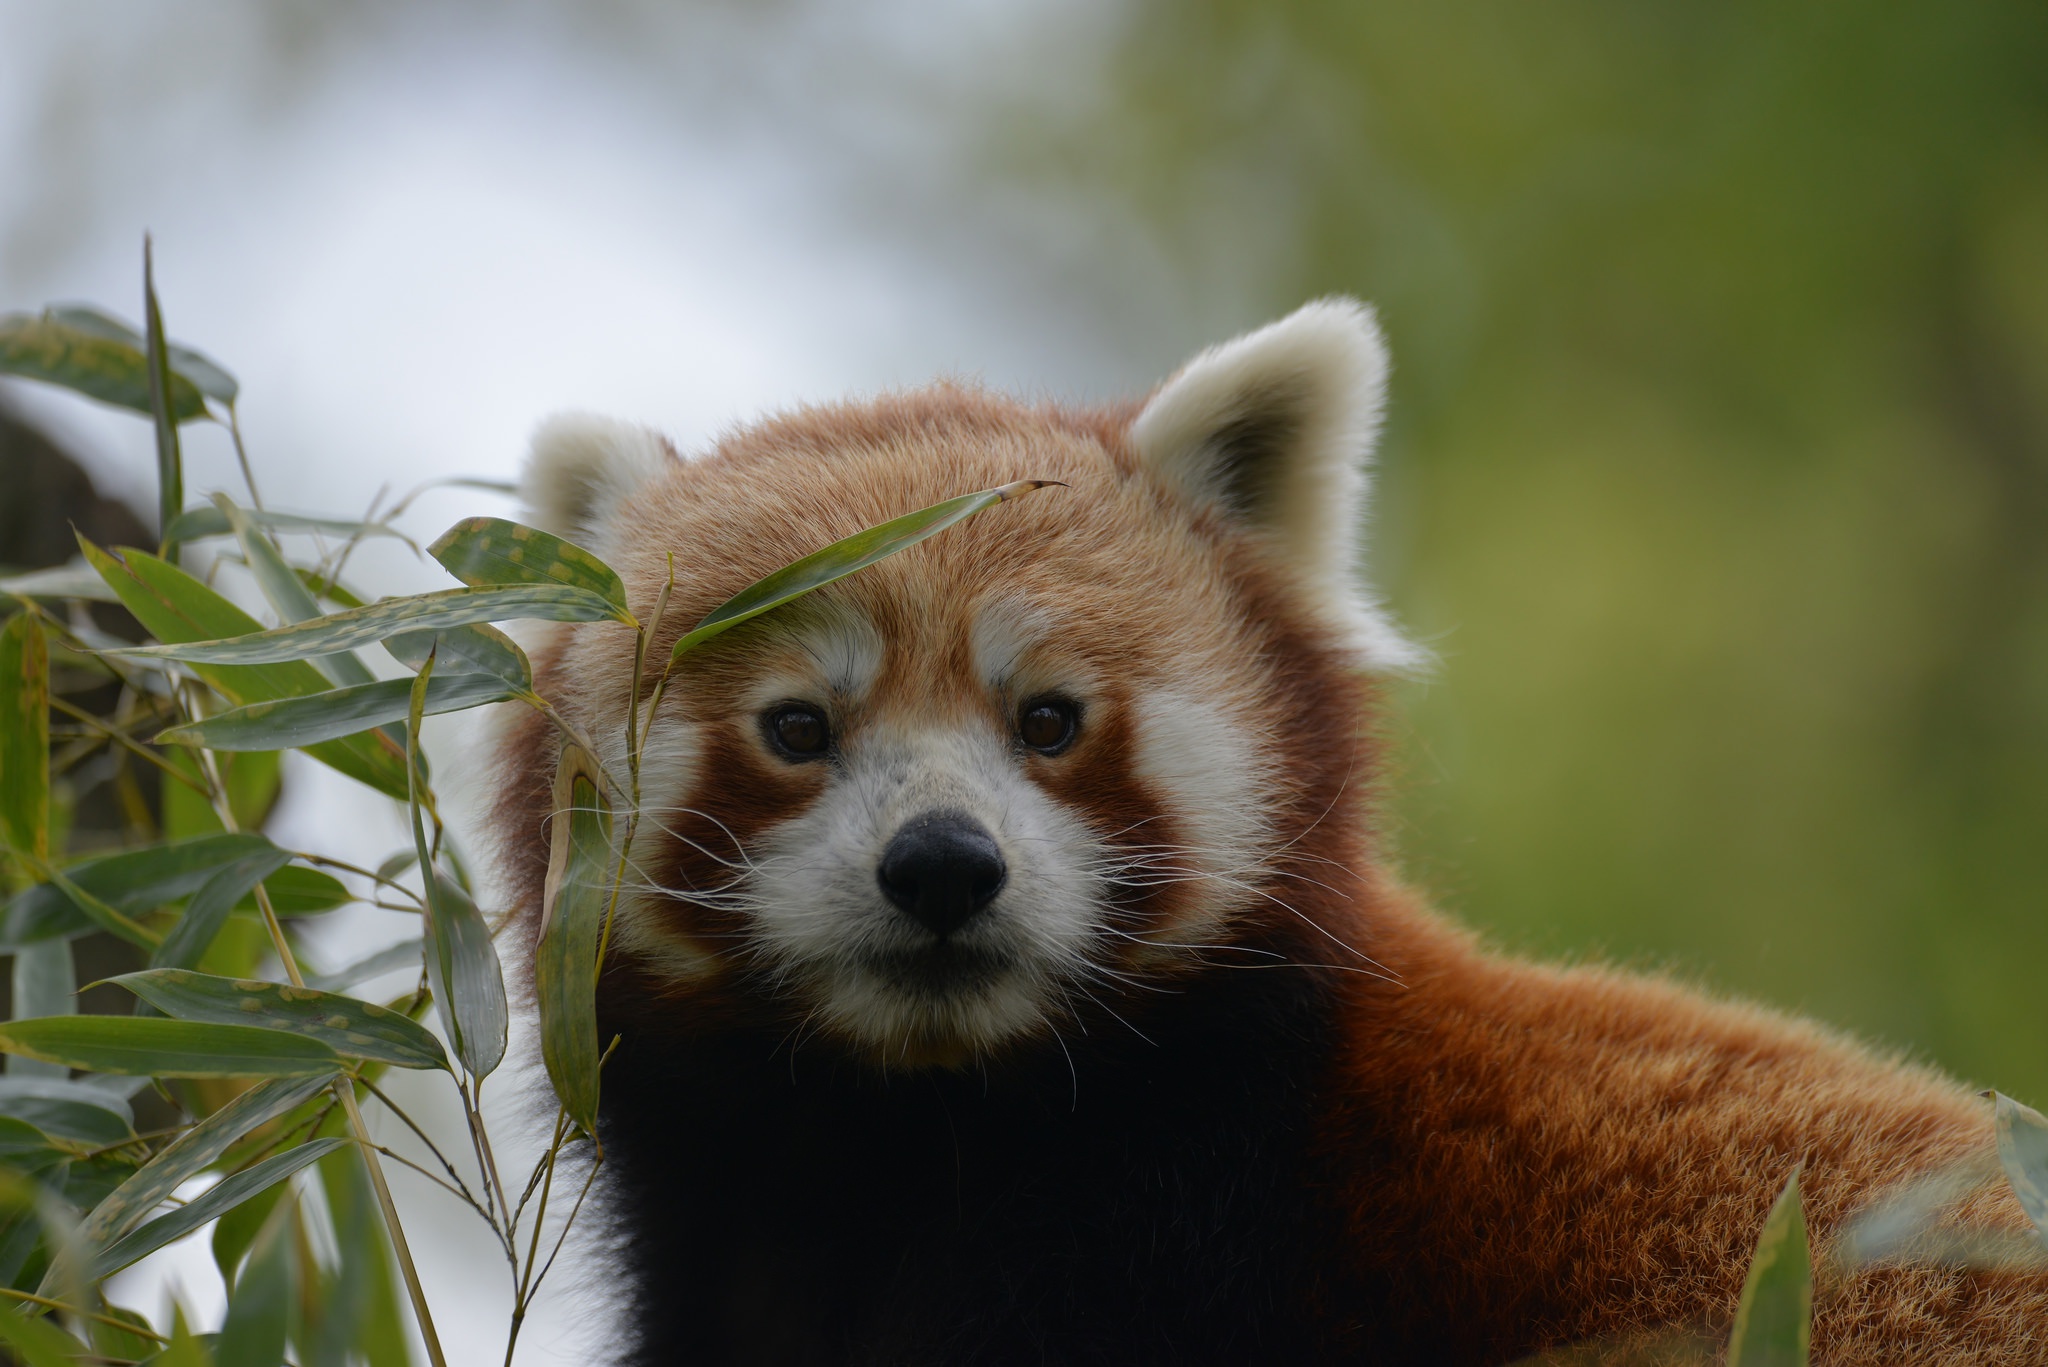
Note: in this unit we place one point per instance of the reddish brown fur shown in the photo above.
(1522, 1156)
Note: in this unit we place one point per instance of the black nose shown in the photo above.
(942, 868)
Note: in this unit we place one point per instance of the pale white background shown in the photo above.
(414, 230)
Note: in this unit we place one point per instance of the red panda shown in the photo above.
(1011, 974)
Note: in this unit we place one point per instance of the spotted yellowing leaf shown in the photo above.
(389, 617)
(485, 551)
(351, 1028)
(577, 900)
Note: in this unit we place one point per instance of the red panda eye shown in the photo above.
(798, 730)
(1048, 724)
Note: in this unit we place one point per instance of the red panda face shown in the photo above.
(989, 787)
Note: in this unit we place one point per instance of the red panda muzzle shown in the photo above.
(942, 868)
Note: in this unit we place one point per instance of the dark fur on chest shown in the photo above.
(1149, 1204)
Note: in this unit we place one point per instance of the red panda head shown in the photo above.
(1090, 742)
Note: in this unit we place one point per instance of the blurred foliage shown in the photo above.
(1718, 462)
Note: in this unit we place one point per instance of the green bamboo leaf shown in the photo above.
(484, 551)
(22, 1144)
(67, 1110)
(575, 908)
(106, 917)
(205, 374)
(844, 557)
(147, 1046)
(260, 1306)
(2023, 1151)
(389, 617)
(163, 406)
(132, 882)
(208, 910)
(292, 723)
(353, 1029)
(192, 1152)
(45, 984)
(1774, 1319)
(360, 1309)
(235, 1232)
(138, 1340)
(475, 649)
(216, 1201)
(186, 1349)
(25, 738)
(462, 963)
(201, 521)
(73, 580)
(56, 350)
(407, 954)
(176, 607)
(40, 1342)
(281, 586)
(296, 890)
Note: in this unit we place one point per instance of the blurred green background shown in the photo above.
(1718, 466)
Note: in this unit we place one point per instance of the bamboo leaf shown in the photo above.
(138, 881)
(462, 963)
(360, 1311)
(293, 723)
(147, 1046)
(40, 1342)
(194, 1151)
(132, 882)
(216, 1201)
(25, 738)
(353, 1029)
(260, 1306)
(52, 347)
(107, 918)
(484, 551)
(208, 910)
(408, 954)
(176, 607)
(1774, 1319)
(201, 521)
(186, 1348)
(2023, 1151)
(474, 649)
(67, 1110)
(281, 586)
(574, 911)
(163, 407)
(73, 580)
(844, 557)
(45, 984)
(205, 374)
(299, 891)
(129, 1339)
(22, 1144)
(389, 617)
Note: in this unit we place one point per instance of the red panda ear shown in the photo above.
(582, 469)
(1276, 429)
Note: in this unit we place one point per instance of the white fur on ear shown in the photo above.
(582, 468)
(1276, 429)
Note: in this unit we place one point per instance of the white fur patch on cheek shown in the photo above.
(1216, 784)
